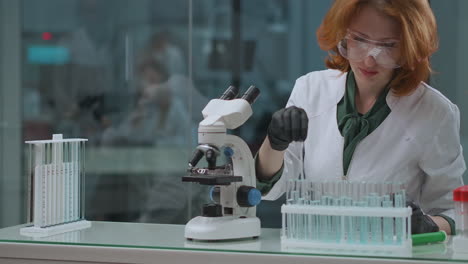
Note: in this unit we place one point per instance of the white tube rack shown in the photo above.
(346, 217)
(297, 237)
(56, 193)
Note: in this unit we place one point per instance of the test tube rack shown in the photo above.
(351, 217)
(56, 186)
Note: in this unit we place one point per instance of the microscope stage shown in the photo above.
(212, 179)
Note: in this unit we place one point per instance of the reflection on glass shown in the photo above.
(115, 72)
(85, 76)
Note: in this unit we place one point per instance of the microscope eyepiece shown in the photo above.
(230, 93)
(251, 94)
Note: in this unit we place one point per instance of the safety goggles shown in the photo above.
(356, 48)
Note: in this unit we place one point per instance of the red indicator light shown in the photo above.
(46, 36)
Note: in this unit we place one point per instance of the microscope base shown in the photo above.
(222, 228)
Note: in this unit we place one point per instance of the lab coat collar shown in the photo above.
(392, 99)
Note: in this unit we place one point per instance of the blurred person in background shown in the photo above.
(159, 119)
(157, 116)
(79, 87)
(162, 48)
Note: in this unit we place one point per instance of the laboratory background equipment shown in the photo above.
(347, 216)
(460, 240)
(232, 213)
(56, 186)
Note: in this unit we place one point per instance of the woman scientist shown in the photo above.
(371, 117)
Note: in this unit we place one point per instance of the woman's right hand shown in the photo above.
(287, 125)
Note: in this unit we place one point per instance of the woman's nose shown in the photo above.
(370, 61)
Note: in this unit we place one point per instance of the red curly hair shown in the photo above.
(418, 37)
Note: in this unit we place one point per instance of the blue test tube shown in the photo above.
(332, 233)
(300, 221)
(379, 222)
(292, 217)
(307, 222)
(289, 216)
(340, 234)
(289, 226)
(295, 196)
(387, 224)
(289, 189)
(364, 224)
(403, 198)
(315, 222)
(399, 221)
(324, 220)
(356, 227)
(348, 225)
(372, 202)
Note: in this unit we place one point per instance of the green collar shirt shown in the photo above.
(354, 126)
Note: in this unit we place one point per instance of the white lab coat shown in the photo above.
(418, 143)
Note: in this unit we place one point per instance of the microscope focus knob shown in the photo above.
(248, 196)
(228, 152)
(212, 210)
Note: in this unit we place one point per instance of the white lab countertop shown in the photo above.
(112, 242)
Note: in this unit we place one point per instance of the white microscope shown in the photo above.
(232, 215)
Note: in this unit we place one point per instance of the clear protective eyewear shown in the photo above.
(355, 47)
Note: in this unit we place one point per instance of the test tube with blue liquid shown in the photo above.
(366, 229)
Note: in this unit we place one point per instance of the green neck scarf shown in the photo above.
(354, 126)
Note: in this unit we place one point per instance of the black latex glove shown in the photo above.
(287, 125)
(420, 222)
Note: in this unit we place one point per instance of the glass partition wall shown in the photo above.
(133, 77)
(115, 73)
